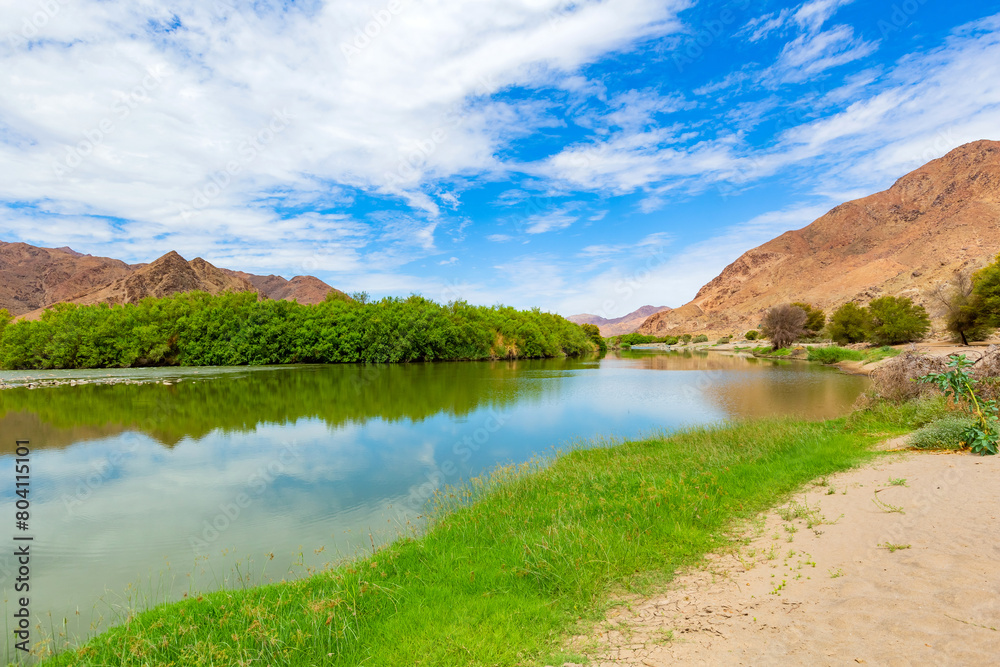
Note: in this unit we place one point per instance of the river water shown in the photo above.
(219, 477)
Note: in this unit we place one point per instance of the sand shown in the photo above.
(833, 593)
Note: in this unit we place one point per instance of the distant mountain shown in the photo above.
(941, 218)
(619, 325)
(33, 278)
(304, 289)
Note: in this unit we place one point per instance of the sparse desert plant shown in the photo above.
(896, 380)
(723, 340)
(783, 325)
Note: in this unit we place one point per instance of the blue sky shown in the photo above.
(586, 156)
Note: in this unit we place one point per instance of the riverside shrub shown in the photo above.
(894, 320)
(232, 329)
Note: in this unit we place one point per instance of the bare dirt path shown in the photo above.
(835, 578)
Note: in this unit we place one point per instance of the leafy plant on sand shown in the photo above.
(700, 338)
(945, 433)
(957, 384)
(753, 334)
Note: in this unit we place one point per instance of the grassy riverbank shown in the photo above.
(506, 571)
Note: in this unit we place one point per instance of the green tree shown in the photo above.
(594, 332)
(5, 318)
(896, 320)
(783, 325)
(963, 309)
(986, 290)
(815, 318)
(850, 324)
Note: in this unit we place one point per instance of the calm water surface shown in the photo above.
(142, 493)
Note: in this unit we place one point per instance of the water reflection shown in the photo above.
(174, 484)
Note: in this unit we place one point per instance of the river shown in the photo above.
(219, 477)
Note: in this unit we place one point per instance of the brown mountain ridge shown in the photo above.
(941, 218)
(33, 278)
(618, 325)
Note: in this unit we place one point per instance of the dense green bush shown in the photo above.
(895, 320)
(686, 338)
(197, 329)
(723, 340)
(986, 291)
(671, 340)
(753, 334)
(594, 332)
(700, 338)
(946, 433)
(815, 318)
(849, 324)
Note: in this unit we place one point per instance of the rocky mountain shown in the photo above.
(941, 218)
(33, 278)
(619, 325)
(304, 289)
(167, 275)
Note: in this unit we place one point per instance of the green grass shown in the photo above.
(514, 563)
(766, 351)
(833, 354)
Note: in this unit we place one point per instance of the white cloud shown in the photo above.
(448, 262)
(653, 274)
(255, 99)
(812, 15)
(549, 222)
(813, 53)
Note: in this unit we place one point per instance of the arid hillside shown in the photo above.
(619, 325)
(33, 278)
(941, 218)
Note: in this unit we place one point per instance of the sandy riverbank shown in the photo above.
(835, 594)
